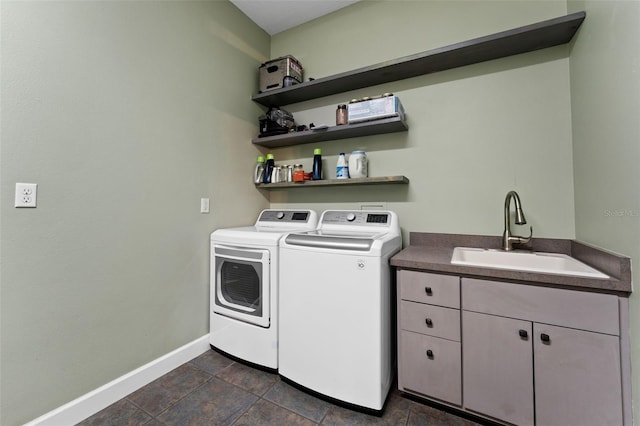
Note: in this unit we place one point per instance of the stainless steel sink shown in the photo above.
(552, 263)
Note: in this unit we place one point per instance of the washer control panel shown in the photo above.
(362, 218)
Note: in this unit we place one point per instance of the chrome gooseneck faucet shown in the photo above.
(507, 238)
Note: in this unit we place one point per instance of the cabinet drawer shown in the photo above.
(432, 320)
(437, 375)
(435, 289)
(567, 308)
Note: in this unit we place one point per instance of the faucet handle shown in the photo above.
(523, 240)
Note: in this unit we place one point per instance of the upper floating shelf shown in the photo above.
(528, 38)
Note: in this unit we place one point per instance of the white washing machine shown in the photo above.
(335, 307)
(244, 285)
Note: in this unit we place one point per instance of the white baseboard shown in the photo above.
(98, 399)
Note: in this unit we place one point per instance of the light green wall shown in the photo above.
(605, 95)
(534, 123)
(474, 132)
(125, 114)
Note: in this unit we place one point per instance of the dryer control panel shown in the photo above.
(295, 216)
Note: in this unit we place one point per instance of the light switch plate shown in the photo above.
(204, 205)
(26, 194)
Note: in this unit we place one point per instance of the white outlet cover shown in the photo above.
(26, 194)
(204, 205)
(373, 206)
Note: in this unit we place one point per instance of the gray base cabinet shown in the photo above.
(577, 377)
(562, 346)
(429, 359)
(497, 362)
(514, 353)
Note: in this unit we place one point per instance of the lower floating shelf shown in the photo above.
(336, 182)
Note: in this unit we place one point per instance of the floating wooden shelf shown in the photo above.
(377, 127)
(528, 38)
(524, 39)
(382, 180)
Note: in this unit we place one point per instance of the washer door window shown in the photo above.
(242, 284)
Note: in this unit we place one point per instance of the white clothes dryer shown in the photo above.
(244, 285)
(335, 307)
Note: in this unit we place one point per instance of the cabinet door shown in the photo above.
(430, 366)
(577, 377)
(497, 365)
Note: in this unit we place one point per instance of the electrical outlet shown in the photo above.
(374, 206)
(26, 194)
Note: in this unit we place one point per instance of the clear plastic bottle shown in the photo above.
(341, 115)
(258, 175)
(342, 170)
(268, 168)
(317, 164)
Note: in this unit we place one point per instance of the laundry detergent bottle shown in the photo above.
(258, 174)
(317, 164)
(268, 168)
(342, 169)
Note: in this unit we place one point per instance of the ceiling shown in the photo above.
(275, 16)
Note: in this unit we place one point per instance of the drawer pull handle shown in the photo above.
(545, 338)
(523, 334)
(429, 353)
(428, 322)
(428, 291)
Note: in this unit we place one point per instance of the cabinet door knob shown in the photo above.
(523, 334)
(428, 322)
(428, 291)
(429, 353)
(545, 338)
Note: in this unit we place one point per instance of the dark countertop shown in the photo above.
(432, 252)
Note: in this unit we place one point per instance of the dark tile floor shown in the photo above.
(214, 390)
